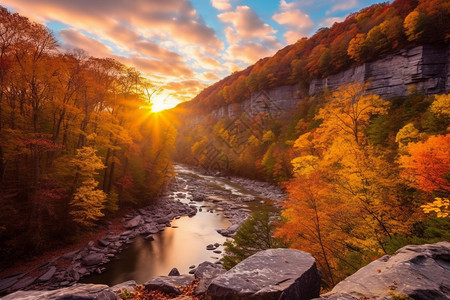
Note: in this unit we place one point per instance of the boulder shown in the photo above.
(103, 242)
(413, 272)
(174, 272)
(23, 283)
(48, 275)
(93, 259)
(269, 274)
(230, 231)
(133, 222)
(7, 282)
(206, 272)
(127, 285)
(80, 291)
(169, 284)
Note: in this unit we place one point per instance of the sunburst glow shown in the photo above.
(162, 102)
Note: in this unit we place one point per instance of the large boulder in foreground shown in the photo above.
(169, 284)
(80, 291)
(269, 274)
(415, 271)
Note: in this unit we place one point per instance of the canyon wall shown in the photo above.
(424, 67)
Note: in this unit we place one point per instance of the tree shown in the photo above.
(349, 109)
(427, 166)
(406, 135)
(87, 203)
(254, 235)
(441, 106)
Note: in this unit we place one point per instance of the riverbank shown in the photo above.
(186, 195)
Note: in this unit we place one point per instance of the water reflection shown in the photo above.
(183, 246)
(178, 247)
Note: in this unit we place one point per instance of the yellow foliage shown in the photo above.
(87, 203)
(406, 135)
(441, 106)
(348, 111)
(440, 206)
(304, 165)
(268, 136)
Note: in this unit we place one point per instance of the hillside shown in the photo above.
(364, 36)
(365, 174)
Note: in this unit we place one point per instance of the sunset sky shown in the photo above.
(184, 45)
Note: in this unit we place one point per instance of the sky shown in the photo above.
(183, 46)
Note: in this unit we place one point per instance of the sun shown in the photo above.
(163, 102)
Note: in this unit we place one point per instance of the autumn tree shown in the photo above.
(349, 109)
(255, 234)
(427, 166)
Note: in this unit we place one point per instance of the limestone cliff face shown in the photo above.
(425, 67)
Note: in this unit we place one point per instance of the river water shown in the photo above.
(184, 243)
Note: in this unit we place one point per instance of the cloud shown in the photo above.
(328, 22)
(210, 63)
(122, 21)
(249, 52)
(210, 76)
(296, 22)
(221, 4)
(342, 6)
(73, 39)
(172, 64)
(246, 23)
(186, 89)
(152, 49)
(249, 38)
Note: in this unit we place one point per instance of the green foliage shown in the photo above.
(254, 235)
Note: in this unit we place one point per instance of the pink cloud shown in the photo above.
(246, 22)
(249, 52)
(221, 4)
(176, 19)
(296, 22)
(328, 22)
(73, 39)
(343, 5)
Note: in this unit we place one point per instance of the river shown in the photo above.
(183, 245)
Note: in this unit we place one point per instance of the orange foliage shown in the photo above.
(428, 165)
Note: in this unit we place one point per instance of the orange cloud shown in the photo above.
(210, 76)
(185, 90)
(210, 63)
(73, 39)
(221, 4)
(297, 23)
(249, 52)
(120, 20)
(246, 23)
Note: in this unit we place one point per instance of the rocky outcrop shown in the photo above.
(206, 272)
(81, 291)
(413, 272)
(274, 102)
(67, 269)
(169, 284)
(425, 67)
(269, 274)
(417, 272)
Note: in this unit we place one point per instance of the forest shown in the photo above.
(363, 36)
(78, 142)
(364, 176)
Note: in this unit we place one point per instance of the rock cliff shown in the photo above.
(424, 67)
